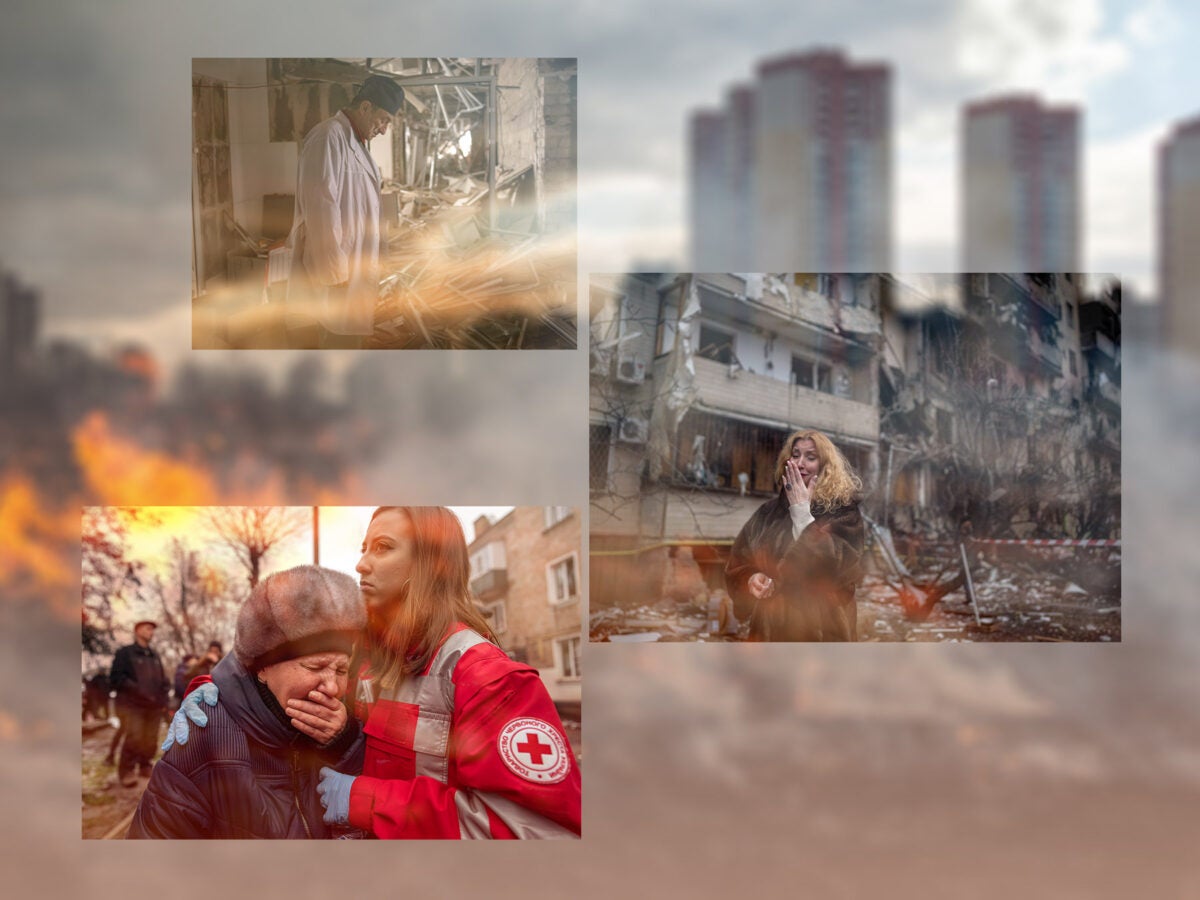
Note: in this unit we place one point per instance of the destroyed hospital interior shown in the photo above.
(477, 211)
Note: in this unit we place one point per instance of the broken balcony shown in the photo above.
(722, 388)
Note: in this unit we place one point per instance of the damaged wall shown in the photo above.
(212, 197)
(258, 165)
(538, 126)
(522, 134)
(560, 94)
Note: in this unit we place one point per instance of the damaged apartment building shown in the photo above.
(478, 199)
(992, 400)
(696, 381)
(1000, 407)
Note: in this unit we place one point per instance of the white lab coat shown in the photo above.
(335, 234)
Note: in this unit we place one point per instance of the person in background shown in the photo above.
(252, 772)
(796, 564)
(142, 691)
(180, 682)
(204, 665)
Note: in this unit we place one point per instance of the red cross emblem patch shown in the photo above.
(534, 750)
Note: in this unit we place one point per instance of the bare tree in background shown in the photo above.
(251, 532)
(198, 600)
(108, 573)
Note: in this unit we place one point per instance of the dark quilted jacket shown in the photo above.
(246, 774)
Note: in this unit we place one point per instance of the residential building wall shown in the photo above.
(1011, 405)
(560, 87)
(535, 625)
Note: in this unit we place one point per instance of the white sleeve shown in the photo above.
(801, 516)
(319, 188)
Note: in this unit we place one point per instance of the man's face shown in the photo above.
(377, 120)
(144, 632)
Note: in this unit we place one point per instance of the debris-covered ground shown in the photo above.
(107, 806)
(1051, 595)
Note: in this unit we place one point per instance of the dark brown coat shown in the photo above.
(815, 575)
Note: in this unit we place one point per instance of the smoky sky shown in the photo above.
(95, 185)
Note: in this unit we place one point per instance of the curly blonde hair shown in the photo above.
(836, 484)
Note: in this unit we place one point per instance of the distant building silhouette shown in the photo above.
(1179, 234)
(20, 323)
(1020, 186)
(795, 171)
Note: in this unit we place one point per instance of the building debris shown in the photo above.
(452, 282)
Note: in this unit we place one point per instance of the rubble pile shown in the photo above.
(1016, 602)
(665, 621)
(452, 283)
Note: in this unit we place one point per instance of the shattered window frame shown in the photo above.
(723, 352)
(730, 443)
(820, 373)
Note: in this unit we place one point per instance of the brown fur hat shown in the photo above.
(303, 610)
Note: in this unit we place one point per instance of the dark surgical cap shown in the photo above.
(382, 92)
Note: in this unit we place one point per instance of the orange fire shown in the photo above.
(40, 543)
(40, 535)
(118, 472)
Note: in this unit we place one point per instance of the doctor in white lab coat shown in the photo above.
(335, 234)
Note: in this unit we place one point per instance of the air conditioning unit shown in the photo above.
(633, 431)
(600, 360)
(630, 369)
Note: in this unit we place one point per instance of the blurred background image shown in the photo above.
(1057, 771)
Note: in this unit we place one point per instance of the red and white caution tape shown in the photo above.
(1051, 543)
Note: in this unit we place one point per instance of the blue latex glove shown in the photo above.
(177, 731)
(334, 789)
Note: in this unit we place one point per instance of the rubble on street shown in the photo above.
(1073, 599)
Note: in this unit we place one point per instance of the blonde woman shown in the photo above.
(796, 564)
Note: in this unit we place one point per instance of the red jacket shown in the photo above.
(472, 748)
